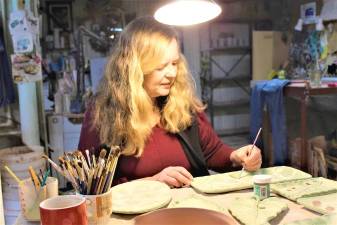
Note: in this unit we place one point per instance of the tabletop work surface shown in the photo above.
(295, 212)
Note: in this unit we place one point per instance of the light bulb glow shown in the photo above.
(187, 12)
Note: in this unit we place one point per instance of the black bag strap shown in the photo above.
(190, 141)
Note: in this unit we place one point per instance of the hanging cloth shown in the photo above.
(7, 95)
(270, 93)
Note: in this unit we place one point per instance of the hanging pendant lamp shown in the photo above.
(187, 12)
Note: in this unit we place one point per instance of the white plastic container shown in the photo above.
(18, 158)
(261, 186)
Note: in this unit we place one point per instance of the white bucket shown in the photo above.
(2, 218)
(18, 159)
(10, 220)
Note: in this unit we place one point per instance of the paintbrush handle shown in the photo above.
(93, 184)
(90, 179)
(88, 157)
(97, 181)
(67, 174)
(45, 178)
(256, 137)
(13, 174)
(101, 184)
(112, 170)
(108, 182)
(55, 166)
(94, 192)
(35, 179)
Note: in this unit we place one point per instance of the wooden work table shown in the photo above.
(295, 211)
(303, 91)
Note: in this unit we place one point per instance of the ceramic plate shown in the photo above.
(250, 211)
(182, 216)
(139, 196)
(322, 220)
(196, 201)
(234, 181)
(305, 188)
(324, 204)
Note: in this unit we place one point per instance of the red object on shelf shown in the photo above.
(332, 84)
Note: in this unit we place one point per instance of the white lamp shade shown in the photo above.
(299, 25)
(187, 12)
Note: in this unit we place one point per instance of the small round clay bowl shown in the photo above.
(184, 216)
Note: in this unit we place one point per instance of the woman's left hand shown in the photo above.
(251, 160)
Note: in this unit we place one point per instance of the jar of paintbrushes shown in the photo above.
(91, 179)
(34, 190)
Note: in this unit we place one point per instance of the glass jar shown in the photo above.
(261, 186)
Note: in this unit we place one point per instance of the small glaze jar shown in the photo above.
(261, 186)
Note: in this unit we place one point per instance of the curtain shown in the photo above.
(7, 95)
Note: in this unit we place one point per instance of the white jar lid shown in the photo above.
(262, 178)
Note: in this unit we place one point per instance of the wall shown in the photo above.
(321, 109)
(9, 116)
(321, 116)
(190, 35)
(280, 15)
(252, 9)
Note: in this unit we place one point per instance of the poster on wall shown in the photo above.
(18, 22)
(23, 42)
(23, 31)
(60, 15)
(33, 23)
(308, 13)
(328, 11)
(26, 68)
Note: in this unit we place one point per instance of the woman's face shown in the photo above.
(158, 82)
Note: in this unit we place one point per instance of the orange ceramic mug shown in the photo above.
(64, 210)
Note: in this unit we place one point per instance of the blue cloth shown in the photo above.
(7, 94)
(270, 93)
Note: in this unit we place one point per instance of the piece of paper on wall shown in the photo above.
(329, 10)
(97, 66)
(33, 23)
(26, 68)
(308, 13)
(23, 28)
(18, 22)
(23, 42)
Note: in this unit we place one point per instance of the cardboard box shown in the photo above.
(269, 52)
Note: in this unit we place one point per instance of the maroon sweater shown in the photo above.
(163, 149)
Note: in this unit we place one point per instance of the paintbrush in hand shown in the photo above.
(257, 136)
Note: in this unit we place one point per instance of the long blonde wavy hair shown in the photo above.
(122, 108)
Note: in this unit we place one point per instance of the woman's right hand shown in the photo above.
(174, 176)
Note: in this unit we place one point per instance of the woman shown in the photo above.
(147, 104)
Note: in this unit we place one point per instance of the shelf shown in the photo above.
(226, 55)
(236, 103)
(11, 130)
(234, 50)
(47, 51)
(231, 108)
(234, 131)
(236, 141)
(65, 114)
(219, 82)
(222, 19)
